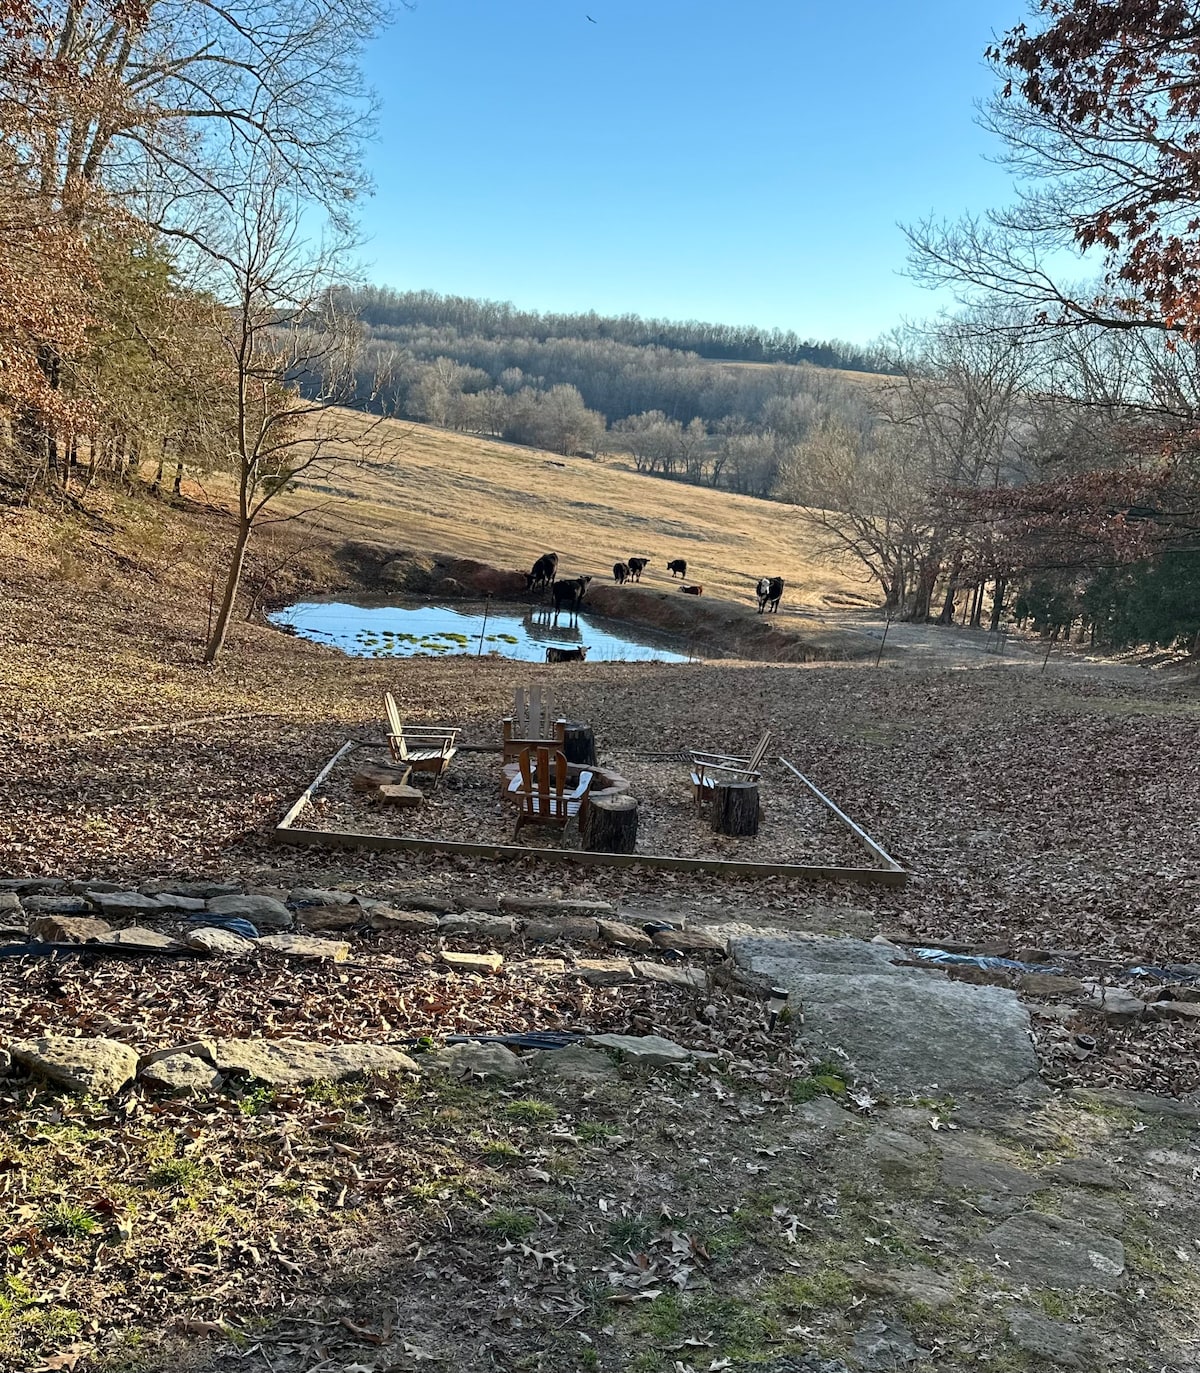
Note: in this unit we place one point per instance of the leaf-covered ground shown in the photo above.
(1033, 811)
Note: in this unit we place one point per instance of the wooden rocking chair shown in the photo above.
(421, 748)
(709, 769)
(533, 722)
(540, 789)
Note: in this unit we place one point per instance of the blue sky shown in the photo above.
(745, 161)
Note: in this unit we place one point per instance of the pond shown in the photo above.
(372, 630)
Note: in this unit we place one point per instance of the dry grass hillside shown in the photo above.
(433, 491)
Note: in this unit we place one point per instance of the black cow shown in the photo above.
(543, 574)
(620, 572)
(677, 565)
(566, 655)
(569, 594)
(636, 567)
(769, 591)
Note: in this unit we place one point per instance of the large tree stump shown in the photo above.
(609, 824)
(579, 743)
(735, 808)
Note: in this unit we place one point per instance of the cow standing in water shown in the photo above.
(769, 591)
(543, 574)
(569, 594)
(636, 567)
(620, 573)
(677, 565)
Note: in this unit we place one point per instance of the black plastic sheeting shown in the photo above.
(1179, 972)
(40, 949)
(530, 1039)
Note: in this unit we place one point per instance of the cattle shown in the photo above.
(636, 567)
(566, 655)
(677, 565)
(692, 590)
(769, 591)
(620, 572)
(543, 574)
(569, 594)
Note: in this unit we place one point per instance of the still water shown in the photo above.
(429, 631)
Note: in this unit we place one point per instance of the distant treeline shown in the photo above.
(383, 309)
(586, 384)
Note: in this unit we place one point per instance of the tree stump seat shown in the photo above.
(735, 808)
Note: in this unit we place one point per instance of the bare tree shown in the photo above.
(290, 352)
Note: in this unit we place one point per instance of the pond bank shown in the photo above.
(709, 627)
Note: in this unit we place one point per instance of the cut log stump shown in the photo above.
(609, 824)
(735, 808)
(579, 743)
(372, 775)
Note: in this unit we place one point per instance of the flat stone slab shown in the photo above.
(297, 1062)
(903, 1029)
(308, 947)
(263, 911)
(548, 905)
(624, 936)
(201, 891)
(574, 1064)
(539, 967)
(319, 896)
(329, 917)
(497, 928)
(482, 963)
(1049, 1251)
(139, 937)
(971, 1164)
(70, 929)
(224, 943)
(171, 903)
(385, 918)
(1068, 1346)
(814, 954)
(642, 1051)
(95, 1067)
(56, 905)
(604, 972)
(686, 979)
(881, 1345)
(180, 1072)
(126, 903)
(690, 941)
(476, 1060)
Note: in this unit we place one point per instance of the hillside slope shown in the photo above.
(429, 490)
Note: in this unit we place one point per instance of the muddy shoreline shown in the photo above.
(709, 628)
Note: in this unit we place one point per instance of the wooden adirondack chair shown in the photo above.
(710, 768)
(532, 723)
(421, 748)
(540, 789)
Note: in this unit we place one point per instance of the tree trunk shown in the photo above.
(579, 744)
(735, 808)
(998, 602)
(156, 485)
(178, 486)
(233, 581)
(977, 607)
(609, 824)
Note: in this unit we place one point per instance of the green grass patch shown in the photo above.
(509, 1225)
(68, 1220)
(530, 1112)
